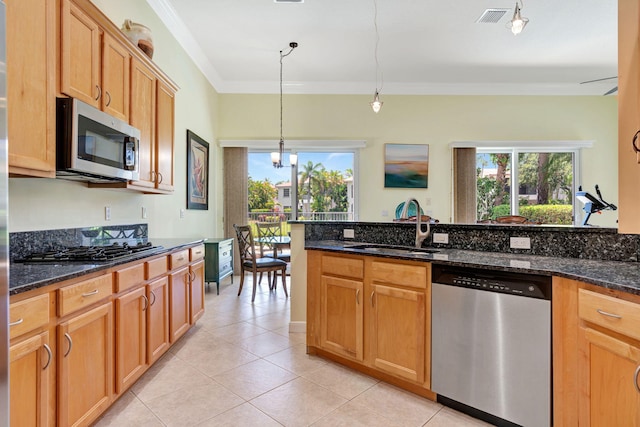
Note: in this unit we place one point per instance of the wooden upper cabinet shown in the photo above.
(164, 136)
(143, 102)
(116, 66)
(80, 55)
(628, 116)
(31, 59)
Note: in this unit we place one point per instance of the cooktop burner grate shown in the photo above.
(90, 253)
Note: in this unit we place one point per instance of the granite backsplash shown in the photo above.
(566, 242)
(24, 243)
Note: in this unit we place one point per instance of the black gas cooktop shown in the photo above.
(114, 252)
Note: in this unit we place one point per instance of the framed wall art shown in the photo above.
(406, 165)
(197, 172)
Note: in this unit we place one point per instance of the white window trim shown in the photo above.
(516, 147)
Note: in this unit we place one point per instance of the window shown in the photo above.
(536, 182)
(286, 192)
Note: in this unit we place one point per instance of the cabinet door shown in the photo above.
(131, 337)
(164, 137)
(179, 303)
(398, 331)
(29, 370)
(341, 324)
(610, 387)
(31, 87)
(143, 104)
(116, 65)
(85, 366)
(80, 55)
(196, 290)
(157, 319)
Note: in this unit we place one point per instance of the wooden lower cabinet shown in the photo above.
(373, 314)
(157, 319)
(341, 319)
(196, 291)
(131, 337)
(85, 366)
(398, 331)
(179, 291)
(30, 367)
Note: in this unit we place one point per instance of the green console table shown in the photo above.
(218, 260)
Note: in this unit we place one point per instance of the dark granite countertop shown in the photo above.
(24, 277)
(618, 275)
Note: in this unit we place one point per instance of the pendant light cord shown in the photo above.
(375, 53)
(293, 45)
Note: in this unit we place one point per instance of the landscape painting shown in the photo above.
(406, 165)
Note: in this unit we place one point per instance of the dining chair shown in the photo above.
(268, 230)
(249, 261)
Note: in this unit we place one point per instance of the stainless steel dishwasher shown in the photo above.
(491, 344)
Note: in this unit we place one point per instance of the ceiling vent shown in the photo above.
(492, 16)
(288, 1)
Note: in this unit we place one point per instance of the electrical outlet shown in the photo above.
(348, 233)
(384, 213)
(144, 213)
(520, 243)
(441, 238)
(107, 213)
(182, 213)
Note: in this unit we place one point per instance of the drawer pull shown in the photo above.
(88, 294)
(198, 252)
(48, 350)
(181, 258)
(17, 322)
(225, 253)
(635, 379)
(153, 300)
(604, 313)
(68, 337)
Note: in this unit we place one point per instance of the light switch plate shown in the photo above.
(349, 233)
(440, 237)
(520, 243)
(107, 213)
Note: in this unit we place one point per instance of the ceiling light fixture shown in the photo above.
(376, 104)
(517, 23)
(276, 157)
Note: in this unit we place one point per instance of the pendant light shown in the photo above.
(276, 157)
(376, 104)
(517, 23)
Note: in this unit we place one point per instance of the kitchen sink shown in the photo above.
(393, 249)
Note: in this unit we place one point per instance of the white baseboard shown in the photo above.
(298, 327)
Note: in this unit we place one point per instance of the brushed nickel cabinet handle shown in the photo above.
(99, 92)
(160, 176)
(146, 303)
(89, 294)
(154, 175)
(153, 300)
(358, 296)
(48, 350)
(635, 379)
(108, 97)
(633, 142)
(68, 337)
(372, 294)
(17, 322)
(192, 276)
(604, 313)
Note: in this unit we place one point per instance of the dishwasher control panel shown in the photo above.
(526, 285)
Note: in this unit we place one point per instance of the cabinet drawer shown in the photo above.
(414, 276)
(129, 277)
(225, 267)
(197, 253)
(341, 266)
(27, 315)
(612, 313)
(156, 267)
(178, 259)
(225, 250)
(83, 294)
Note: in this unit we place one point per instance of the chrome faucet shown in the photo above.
(420, 235)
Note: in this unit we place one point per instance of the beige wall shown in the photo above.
(38, 204)
(437, 121)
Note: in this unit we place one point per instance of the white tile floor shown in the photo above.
(239, 366)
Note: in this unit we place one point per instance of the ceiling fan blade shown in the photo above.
(599, 80)
(614, 90)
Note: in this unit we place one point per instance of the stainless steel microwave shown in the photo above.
(92, 145)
